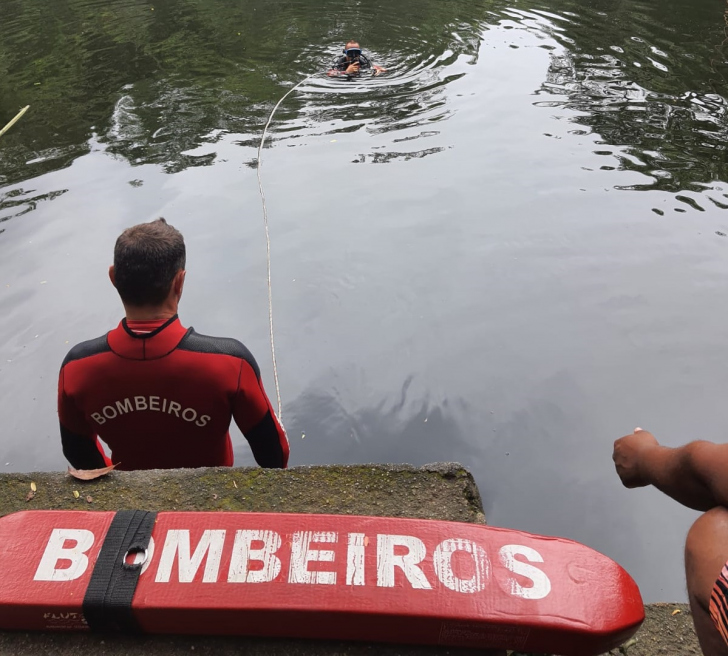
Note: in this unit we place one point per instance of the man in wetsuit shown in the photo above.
(696, 476)
(353, 63)
(161, 395)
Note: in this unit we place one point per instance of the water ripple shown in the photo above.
(155, 80)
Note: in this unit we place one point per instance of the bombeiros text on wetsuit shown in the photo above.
(153, 403)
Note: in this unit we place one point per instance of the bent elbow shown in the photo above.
(707, 463)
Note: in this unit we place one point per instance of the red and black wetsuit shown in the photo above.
(342, 62)
(164, 399)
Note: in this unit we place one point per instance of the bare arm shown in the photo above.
(695, 475)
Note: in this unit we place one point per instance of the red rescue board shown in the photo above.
(330, 577)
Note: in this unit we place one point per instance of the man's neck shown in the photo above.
(149, 313)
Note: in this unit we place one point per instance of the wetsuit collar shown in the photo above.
(146, 346)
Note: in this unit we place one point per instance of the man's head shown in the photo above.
(352, 50)
(149, 263)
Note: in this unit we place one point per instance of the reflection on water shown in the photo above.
(652, 86)
(539, 267)
(156, 80)
(391, 430)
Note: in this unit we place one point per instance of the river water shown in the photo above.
(508, 251)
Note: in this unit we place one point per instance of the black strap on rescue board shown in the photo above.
(107, 602)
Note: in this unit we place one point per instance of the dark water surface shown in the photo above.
(508, 252)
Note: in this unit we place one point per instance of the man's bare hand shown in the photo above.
(352, 69)
(628, 456)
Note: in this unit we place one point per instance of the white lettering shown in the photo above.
(408, 563)
(111, 414)
(154, 403)
(178, 542)
(355, 559)
(541, 584)
(243, 554)
(442, 558)
(301, 556)
(56, 551)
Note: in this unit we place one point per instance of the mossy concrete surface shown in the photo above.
(440, 491)
(667, 631)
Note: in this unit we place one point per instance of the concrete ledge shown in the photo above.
(63, 644)
(667, 631)
(444, 491)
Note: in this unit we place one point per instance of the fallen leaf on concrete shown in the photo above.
(33, 487)
(76, 494)
(90, 474)
(31, 494)
(676, 611)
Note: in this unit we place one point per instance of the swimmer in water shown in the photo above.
(353, 63)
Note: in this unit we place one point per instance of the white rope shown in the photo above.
(267, 243)
(14, 120)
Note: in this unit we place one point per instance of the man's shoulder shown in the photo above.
(197, 343)
(87, 349)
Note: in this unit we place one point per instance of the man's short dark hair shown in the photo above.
(146, 259)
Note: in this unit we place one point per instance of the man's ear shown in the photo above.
(112, 275)
(179, 282)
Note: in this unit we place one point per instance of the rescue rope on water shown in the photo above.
(267, 241)
(14, 120)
